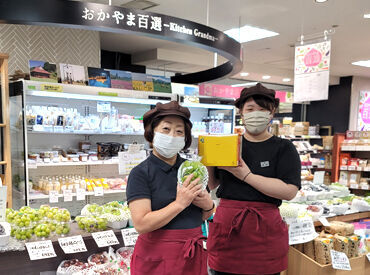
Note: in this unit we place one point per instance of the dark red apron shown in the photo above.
(248, 238)
(170, 252)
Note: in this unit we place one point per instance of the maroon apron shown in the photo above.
(177, 251)
(248, 238)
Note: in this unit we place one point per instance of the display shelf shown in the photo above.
(88, 193)
(79, 163)
(346, 218)
(10, 261)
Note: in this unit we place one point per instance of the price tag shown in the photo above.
(53, 196)
(351, 168)
(344, 168)
(129, 236)
(301, 231)
(365, 187)
(105, 238)
(339, 260)
(72, 245)
(354, 185)
(2, 202)
(40, 250)
(51, 88)
(318, 177)
(98, 191)
(103, 107)
(67, 194)
(80, 194)
(324, 221)
(32, 164)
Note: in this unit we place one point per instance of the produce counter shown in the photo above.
(347, 218)
(20, 261)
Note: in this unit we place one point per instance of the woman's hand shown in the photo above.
(188, 191)
(203, 200)
(239, 171)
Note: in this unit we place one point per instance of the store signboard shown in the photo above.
(40, 250)
(311, 72)
(363, 116)
(99, 17)
(217, 90)
(71, 245)
(2, 203)
(105, 238)
(339, 260)
(301, 230)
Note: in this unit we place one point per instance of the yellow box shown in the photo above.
(220, 150)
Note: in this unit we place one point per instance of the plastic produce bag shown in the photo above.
(196, 168)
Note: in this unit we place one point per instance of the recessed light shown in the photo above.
(286, 79)
(266, 77)
(244, 74)
(244, 84)
(249, 33)
(367, 15)
(363, 63)
(320, 1)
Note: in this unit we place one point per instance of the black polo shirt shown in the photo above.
(156, 180)
(273, 158)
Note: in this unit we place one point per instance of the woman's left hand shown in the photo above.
(203, 200)
(239, 171)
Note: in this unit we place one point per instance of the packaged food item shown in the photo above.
(219, 150)
(353, 246)
(322, 250)
(193, 167)
(341, 228)
(309, 249)
(341, 244)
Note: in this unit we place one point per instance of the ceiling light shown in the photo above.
(363, 63)
(244, 74)
(249, 33)
(266, 77)
(286, 79)
(320, 1)
(367, 15)
(244, 84)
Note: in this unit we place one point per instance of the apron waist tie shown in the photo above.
(190, 246)
(239, 218)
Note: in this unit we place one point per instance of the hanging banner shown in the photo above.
(311, 72)
(363, 119)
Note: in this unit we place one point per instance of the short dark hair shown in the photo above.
(263, 102)
(149, 131)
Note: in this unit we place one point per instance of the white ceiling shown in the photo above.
(272, 56)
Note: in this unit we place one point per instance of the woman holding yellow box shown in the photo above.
(247, 235)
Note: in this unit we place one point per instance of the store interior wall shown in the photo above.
(334, 111)
(52, 44)
(358, 84)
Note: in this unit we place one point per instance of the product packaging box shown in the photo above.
(220, 150)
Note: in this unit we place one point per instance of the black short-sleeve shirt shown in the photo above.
(273, 158)
(156, 180)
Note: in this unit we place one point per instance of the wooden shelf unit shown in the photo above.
(5, 160)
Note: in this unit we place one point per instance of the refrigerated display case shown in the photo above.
(67, 137)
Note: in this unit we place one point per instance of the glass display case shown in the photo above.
(66, 139)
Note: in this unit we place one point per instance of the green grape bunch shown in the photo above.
(193, 167)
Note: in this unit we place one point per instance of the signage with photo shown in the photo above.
(99, 77)
(121, 79)
(72, 74)
(43, 71)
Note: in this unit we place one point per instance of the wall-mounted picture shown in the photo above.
(98, 77)
(121, 79)
(161, 84)
(142, 82)
(72, 74)
(43, 71)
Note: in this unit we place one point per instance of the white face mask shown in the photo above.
(256, 122)
(167, 146)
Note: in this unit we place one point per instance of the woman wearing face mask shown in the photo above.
(247, 235)
(167, 216)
